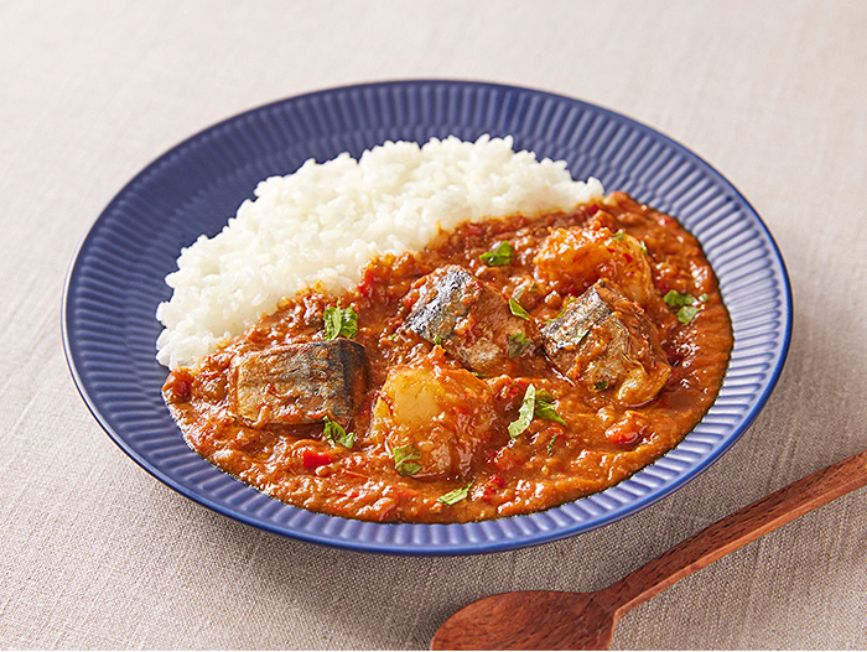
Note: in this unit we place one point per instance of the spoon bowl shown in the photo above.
(553, 620)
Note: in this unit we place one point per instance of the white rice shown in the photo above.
(321, 225)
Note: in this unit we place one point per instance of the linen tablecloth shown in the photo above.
(94, 552)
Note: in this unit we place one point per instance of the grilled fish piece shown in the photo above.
(604, 340)
(298, 383)
(468, 319)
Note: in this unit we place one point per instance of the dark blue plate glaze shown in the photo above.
(116, 282)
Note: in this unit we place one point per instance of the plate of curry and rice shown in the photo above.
(427, 317)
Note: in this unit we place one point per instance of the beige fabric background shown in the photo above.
(96, 553)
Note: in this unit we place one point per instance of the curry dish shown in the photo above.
(516, 364)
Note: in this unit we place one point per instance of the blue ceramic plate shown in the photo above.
(116, 282)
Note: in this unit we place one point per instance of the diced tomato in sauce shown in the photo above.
(313, 459)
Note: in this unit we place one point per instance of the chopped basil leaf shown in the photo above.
(340, 322)
(518, 310)
(403, 459)
(501, 254)
(535, 404)
(684, 303)
(675, 299)
(438, 340)
(409, 468)
(456, 495)
(551, 444)
(620, 235)
(686, 313)
(643, 246)
(336, 434)
(518, 343)
(544, 408)
(601, 386)
(332, 320)
(525, 413)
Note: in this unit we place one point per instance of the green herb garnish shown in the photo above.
(517, 309)
(686, 313)
(456, 495)
(518, 343)
(340, 322)
(620, 235)
(535, 404)
(550, 446)
(684, 303)
(501, 254)
(544, 408)
(643, 246)
(525, 413)
(703, 298)
(403, 459)
(675, 299)
(336, 434)
(601, 386)
(438, 341)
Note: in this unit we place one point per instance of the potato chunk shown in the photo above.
(582, 256)
(439, 418)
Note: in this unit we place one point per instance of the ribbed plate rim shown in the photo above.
(391, 547)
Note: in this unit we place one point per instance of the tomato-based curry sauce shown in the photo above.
(512, 366)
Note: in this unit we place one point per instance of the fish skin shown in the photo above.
(565, 332)
(606, 341)
(299, 383)
(467, 318)
(438, 316)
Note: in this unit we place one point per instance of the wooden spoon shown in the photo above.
(558, 620)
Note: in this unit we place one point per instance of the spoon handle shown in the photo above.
(736, 530)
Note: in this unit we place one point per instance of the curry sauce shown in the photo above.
(513, 365)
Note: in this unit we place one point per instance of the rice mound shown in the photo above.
(321, 225)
